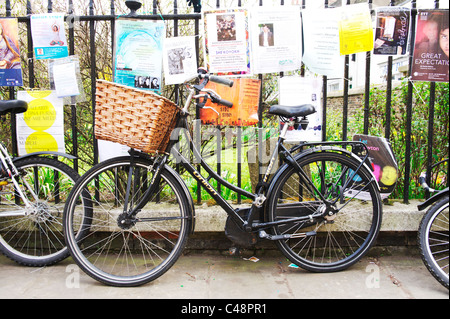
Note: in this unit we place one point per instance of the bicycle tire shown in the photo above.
(336, 242)
(36, 239)
(433, 240)
(136, 253)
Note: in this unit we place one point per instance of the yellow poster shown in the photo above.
(41, 127)
(355, 29)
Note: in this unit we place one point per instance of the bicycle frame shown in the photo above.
(8, 164)
(251, 223)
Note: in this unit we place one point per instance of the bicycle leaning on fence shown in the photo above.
(433, 231)
(33, 190)
(322, 206)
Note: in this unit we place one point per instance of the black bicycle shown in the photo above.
(433, 231)
(322, 206)
(33, 190)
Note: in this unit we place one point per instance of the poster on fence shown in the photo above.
(384, 164)
(295, 90)
(392, 31)
(321, 42)
(138, 53)
(10, 67)
(41, 127)
(276, 39)
(49, 36)
(355, 29)
(226, 41)
(245, 98)
(179, 59)
(431, 49)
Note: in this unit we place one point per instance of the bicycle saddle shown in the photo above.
(13, 106)
(292, 111)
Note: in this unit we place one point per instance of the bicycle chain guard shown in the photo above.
(237, 235)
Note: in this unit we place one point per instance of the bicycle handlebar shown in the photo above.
(221, 80)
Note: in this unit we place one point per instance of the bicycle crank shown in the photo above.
(264, 235)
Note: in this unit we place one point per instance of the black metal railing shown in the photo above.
(92, 18)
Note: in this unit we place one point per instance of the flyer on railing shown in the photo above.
(321, 42)
(10, 67)
(226, 41)
(391, 30)
(276, 39)
(245, 98)
(431, 49)
(179, 59)
(41, 127)
(294, 91)
(355, 29)
(49, 37)
(138, 53)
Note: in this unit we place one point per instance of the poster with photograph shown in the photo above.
(179, 59)
(392, 31)
(276, 39)
(49, 36)
(41, 127)
(431, 52)
(138, 53)
(355, 29)
(321, 42)
(245, 98)
(226, 37)
(10, 67)
(295, 90)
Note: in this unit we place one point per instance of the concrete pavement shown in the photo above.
(207, 275)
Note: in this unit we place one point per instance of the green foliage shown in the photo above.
(398, 134)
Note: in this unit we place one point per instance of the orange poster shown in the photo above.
(245, 97)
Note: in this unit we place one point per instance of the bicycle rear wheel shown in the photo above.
(113, 249)
(337, 230)
(433, 240)
(33, 236)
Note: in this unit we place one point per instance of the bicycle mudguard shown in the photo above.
(433, 199)
(45, 153)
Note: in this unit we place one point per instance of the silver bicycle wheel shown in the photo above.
(114, 249)
(338, 230)
(33, 235)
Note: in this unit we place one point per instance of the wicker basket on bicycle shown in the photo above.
(137, 118)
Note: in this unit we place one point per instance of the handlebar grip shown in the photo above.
(224, 102)
(221, 80)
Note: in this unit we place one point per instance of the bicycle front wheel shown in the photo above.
(341, 207)
(116, 250)
(433, 240)
(32, 234)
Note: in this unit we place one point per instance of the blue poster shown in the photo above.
(10, 67)
(138, 53)
(49, 37)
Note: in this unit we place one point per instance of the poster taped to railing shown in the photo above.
(295, 90)
(321, 42)
(49, 37)
(431, 49)
(179, 59)
(392, 31)
(10, 67)
(138, 53)
(41, 127)
(227, 46)
(276, 39)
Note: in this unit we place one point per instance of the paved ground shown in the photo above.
(215, 276)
